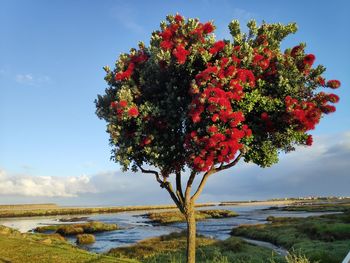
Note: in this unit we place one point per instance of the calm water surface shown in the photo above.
(135, 227)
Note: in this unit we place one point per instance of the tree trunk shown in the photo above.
(191, 234)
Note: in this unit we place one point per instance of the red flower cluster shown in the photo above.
(217, 47)
(126, 74)
(216, 90)
(135, 60)
(179, 43)
(309, 60)
(133, 112)
(296, 50)
(262, 60)
(304, 114)
(181, 54)
(322, 99)
(121, 106)
(333, 84)
(309, 140)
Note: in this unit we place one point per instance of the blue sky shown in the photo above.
(51, 59)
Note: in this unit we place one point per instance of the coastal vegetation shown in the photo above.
(172, 248)
(52, 210)
(167, 217)
(85, 239)
(74, 229)
(325, 239)
(16, 247)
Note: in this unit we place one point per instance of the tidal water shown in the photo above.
(136, 227)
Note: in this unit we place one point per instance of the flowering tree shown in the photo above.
(189, 102)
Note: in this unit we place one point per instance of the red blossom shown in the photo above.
(333, 84)
(321, 81)
(208, 28)
(309, 59)
(123, 103)
(309, 140)
(217, 47)
(181, 54)
(133, 112)
(178, 18)
(296, 50)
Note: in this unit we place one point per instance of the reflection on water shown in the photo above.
(135, 227)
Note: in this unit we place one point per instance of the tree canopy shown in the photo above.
(190, 101)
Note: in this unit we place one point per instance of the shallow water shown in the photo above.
(135, 227)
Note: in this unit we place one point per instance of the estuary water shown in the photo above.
(136, 227)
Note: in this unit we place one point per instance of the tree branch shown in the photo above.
(164, 184)
(179, 191)
(212, 171)
(231, 164)
(152, 172)
(188, 188)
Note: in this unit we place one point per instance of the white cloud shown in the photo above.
(44, 186)
(29, 79)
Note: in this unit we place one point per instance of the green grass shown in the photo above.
(74, 229)
(168, 217)
(171, 248)
(342, 206)
(325, 238)
(38, 248)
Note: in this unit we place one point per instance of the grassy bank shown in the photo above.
(74, 229)
(168, 217)
(325, 238)
(171, 248)
(38, 248)
(320, 207)
(31, 210)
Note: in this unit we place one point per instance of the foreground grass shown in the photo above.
(38, 248)
(168, 217)
(325, 238)
(74, 229)
(171, 248)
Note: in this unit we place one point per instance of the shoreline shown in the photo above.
(29, 211)
(49, 209)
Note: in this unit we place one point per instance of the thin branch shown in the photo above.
(164, 184)
(212, 171)
(188, 187)
(152, 172)
(179, 191)
(231, 164)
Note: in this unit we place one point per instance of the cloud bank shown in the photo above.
(44, 186)
(318, 171)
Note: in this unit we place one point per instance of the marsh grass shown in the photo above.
(324, 238)
(167, 217)
(84, 239)
(171, 248)
(74, 229)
